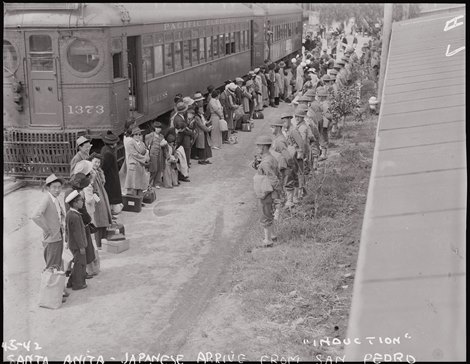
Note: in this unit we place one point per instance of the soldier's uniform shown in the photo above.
(325, 125)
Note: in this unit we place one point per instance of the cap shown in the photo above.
(287, 115)
(84, 167)
(301, 110)
(198, 96)
(264, 140)
(72, 196)
(181, 107)
(81, 140)
(53, 178)
(136, 131)
(110, 138)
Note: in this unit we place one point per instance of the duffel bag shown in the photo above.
(150, 195)
(258, 115)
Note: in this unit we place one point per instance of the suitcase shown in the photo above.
(246, 127)
(258, 115)
(116, 237)
(115, 246)
(115, 229)
(149, 196)
(132, 203)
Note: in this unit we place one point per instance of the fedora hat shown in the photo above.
(79, 181)
(72, 196)
(277, 123)
(81, 140)
(326, 78)
(157, 124)
(264, 140)
(53, 178)
(249, 83)
(110, 138)
(181, 107)
(198, 96)
(136, 130)
(256, 70)
(83, 166)
(188, 101)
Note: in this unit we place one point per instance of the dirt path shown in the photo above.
(150, 298)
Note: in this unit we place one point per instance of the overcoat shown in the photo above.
(202, 133)
(153, 140)
(112, 183)
(103, 217)
(137, 157)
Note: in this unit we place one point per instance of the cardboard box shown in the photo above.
(115, 246)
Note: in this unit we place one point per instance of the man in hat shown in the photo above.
(154, 142)
(286, 163)
(110, 169)
(180, 113)
(264, 88)
(239, 95)
(50, 217)
(137, 158)
(282, 90)
(230, 106)
(267, 186)
(84, 146)
(258, 83)
(183, 132)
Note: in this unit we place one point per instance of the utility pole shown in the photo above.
(386, 35)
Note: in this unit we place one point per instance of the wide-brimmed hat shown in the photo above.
(198, 96)
(310, 93)
(79, 181)
(170, 138)
(304, 98)
(188, 101)
(109, 138)
(157, 124)
(72, 196)
(239, 80)
(264, 140)
(53, 178)
(277, 123)
(282, 64)
(232, 86)
(341, 62)
(337, 65)
(373, 100)
(326, 78)
(82, 140)
(181, 107)
(333, 72)
(251, 73)
(301, 110)
(83, 166)
(287, 115)
(332, 77)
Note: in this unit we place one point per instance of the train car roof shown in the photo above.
(107, 14)
(275, 9)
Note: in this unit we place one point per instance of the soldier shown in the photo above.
(324, 125)
(299, 138)
(267, 185)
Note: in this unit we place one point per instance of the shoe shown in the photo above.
(79, 288)
(65, 294)
(186, 179)
(89, 276)
(215, 148)
(201, 162)
(69, 284)
(207, 162)
(274, 238)
(64, 300)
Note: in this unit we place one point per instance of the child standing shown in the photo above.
(75, 236)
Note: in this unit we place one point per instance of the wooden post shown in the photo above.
(387, 34)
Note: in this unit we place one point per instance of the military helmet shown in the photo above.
(301, 110)
(310, 93)
(277, 123)
(264, 140)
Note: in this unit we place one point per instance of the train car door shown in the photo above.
(135, 79)
(43, 78)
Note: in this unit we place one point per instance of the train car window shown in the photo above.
(289, 30)
(237, 42)
(187, 53)
(215, 46)
(82, 55)
(117, 65)
(169, 58)
(227, 43)
(40, 51)
(158, 61)
(202, 50)
(178, 56)
(196, 44)
(221, 45)
(147, 63)
(10, 59)
(232, 43)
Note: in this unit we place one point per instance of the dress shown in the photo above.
(217, 113)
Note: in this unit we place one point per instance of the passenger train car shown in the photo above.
(73, 69)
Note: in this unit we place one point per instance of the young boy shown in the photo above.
(75, 236)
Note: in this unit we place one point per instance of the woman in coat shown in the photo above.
(202, 143)
(102, 216)
(137, 157)
(249, 96)
(217, 113)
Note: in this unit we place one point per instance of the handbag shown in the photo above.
(262, 185)
(52, 288)
(223, 125)
(149, 195)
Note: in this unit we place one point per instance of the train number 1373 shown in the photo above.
(88, 109)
